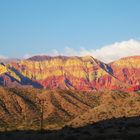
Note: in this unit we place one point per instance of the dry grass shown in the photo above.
(20, 108)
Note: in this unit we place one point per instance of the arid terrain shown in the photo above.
(79, 98)
(68, 114)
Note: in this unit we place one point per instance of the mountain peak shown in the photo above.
(46, 57)
(88, 57)
(131, 61)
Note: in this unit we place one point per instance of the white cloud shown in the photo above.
(117, 50)
(106, 53)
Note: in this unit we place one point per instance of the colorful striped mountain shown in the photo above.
(75, 73)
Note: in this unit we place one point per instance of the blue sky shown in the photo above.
(40, 26)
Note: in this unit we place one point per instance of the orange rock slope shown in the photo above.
(78, 73)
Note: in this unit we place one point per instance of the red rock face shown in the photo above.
(127, 70)
(77, 73)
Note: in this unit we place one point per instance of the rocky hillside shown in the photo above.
(75, 73)
(21, 108)
(112, 105)
(127, 70)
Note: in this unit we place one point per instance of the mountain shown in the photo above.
(127, 70)
(112, 105)
(10, 77)
(21, 108)
(69, 96)
(75, 73)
